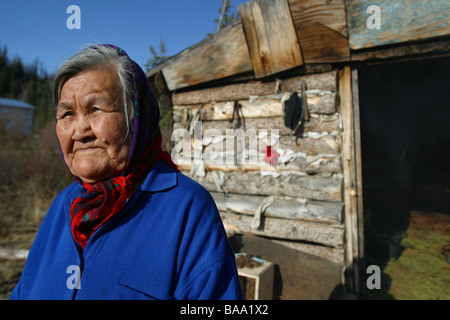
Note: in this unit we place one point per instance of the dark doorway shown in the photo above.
(405, 137)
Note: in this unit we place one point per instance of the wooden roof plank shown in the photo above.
(221, 55)
(406, 20)
(321, 27)
(271, 37)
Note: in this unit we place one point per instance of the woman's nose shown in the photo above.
(82, 129)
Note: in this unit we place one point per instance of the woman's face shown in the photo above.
(91, 126)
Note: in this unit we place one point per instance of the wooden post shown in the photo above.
(359, 179)
(350, 190)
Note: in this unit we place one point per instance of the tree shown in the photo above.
(29, 83)
(225, 17)
(4, 64)
(165, 114)
(157, 58)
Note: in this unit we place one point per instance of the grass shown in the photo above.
(32, 173)
(9, 275)
(421, 272)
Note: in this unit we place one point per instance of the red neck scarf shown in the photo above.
(102, 200)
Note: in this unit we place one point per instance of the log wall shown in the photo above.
(296, 200)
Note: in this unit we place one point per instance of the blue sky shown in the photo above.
(37, 29)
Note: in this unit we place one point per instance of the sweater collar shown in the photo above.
(161, 177)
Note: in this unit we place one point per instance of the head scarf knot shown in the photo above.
(102, 200)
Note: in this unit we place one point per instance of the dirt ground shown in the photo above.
(19, 236)
(430, 222)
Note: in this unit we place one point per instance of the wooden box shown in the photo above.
(257, 283)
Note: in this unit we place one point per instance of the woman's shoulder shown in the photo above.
(64, 198)
(71, 191)
(187, 183)
(164, 177)
(173, 187)
(194, 190)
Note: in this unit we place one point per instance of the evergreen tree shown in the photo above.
(3, 71)
(225, 17)
(29, 83)
(157, 58)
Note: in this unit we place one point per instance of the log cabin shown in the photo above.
(369, 82)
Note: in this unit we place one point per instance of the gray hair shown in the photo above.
(97, 58)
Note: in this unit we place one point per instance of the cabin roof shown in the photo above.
(12, 103)
(274, 36)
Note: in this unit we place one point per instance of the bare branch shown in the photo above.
(224, 9)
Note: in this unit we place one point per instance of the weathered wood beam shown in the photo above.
(162, 93)
(292, 209)
(325, 145)
(404, 51)
(305, 164)
(271, 36)
(358, 173)
(321, 27)
(327, 234)
(407, 20)
(316, 123)
(290, 184)
(218, 56)
(326, 81)
(263, 107)
(350, 183)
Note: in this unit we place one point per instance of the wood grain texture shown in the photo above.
(284, 184)
(327, 234)
(324, 145)
(307, 164)
(326, 81)
(221, 55)
(318, 211)
(350, 183)
(162, 93)
(321, 28)
(323, 102)
(401, 21)
(317, 123)
(271, 36)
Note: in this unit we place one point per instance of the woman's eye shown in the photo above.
(67, 113)
(95, 109)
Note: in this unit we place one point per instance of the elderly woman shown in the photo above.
(131, 226)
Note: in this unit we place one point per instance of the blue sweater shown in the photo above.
(167, 243)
